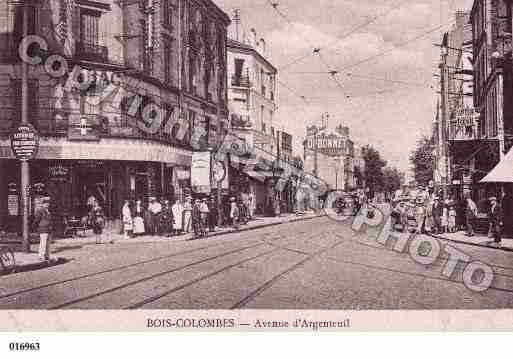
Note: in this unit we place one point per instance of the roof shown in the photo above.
(241, 47)
(503, 172)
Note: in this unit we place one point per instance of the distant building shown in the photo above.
(331, 156)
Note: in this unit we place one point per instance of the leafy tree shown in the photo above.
(392, 179)
(374, 164)
(423, 161)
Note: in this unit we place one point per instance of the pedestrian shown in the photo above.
(139, 213)
(212, 216)
(43, 224)
(234, 213)
(91, 200)
(166, 219)
(177, 216)
(187, 215)
(437, 216)
(98, 222)
(495, 216)
(452, 220)
(196, 219)
(252, 205)
(420, 214)
(128, 225)
(445, 216)
(204, 212)
(470, 215)
(155, 210)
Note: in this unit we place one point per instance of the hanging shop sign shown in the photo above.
(218, 171)
(86, 129)
(465, 116)
(200, 171)
(25, 142)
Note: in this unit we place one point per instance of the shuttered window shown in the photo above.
(89, 26)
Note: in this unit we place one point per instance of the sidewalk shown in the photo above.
(476, 240)
(112, 231)
(31, 261)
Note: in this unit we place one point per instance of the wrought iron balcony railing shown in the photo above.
(241, 81)
(92, 52)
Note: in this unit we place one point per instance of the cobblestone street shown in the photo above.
(311, 264)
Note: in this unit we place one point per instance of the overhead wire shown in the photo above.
(347, 34)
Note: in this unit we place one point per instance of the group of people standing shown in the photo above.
(430, 213)
(162, 218)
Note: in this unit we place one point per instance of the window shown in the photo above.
(167, 13)
(18, 21)
(89, 27)
(263, 127)
(168, 61)
(272, 131)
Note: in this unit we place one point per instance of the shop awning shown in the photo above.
(503, 172)
(259, 175)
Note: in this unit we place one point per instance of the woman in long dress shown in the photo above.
(139, 218)
(177, 216)
(187, 215)
(127, 219)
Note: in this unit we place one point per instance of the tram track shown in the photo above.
(116, 269)
(257, 243)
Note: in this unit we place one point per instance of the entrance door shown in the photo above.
(92, 183)
(141, 187)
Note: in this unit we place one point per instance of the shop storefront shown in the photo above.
(72, 173)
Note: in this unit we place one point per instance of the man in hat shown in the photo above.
(155, 210)
(496, 221)
(470, 214)
(437, 215)
(43, 224)
(196, 218)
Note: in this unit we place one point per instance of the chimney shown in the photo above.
(262, 42)
(254, 39)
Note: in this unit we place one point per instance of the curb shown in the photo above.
(505, 249)
(36, 265)
(231, 231)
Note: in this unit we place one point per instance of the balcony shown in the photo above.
(241, 81)
(92, 52)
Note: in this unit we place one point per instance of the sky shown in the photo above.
(382, 50)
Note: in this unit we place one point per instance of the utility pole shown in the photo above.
(444, 93)
(25, 168)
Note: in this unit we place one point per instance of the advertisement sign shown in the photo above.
(58, 173)
(25, 142)
(200, 172)
(13, 200)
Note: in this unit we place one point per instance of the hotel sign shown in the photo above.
(465, 116)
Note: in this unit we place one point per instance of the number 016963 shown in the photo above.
(14, 346)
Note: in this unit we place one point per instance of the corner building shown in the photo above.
(145, 63)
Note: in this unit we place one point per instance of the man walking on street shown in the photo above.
(470, 215)
(437, 216)
(43, 224)
(496, 221)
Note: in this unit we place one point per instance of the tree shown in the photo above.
(423, 161)
(373, 169)
(392, 179)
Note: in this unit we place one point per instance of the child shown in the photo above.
(452, 220)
